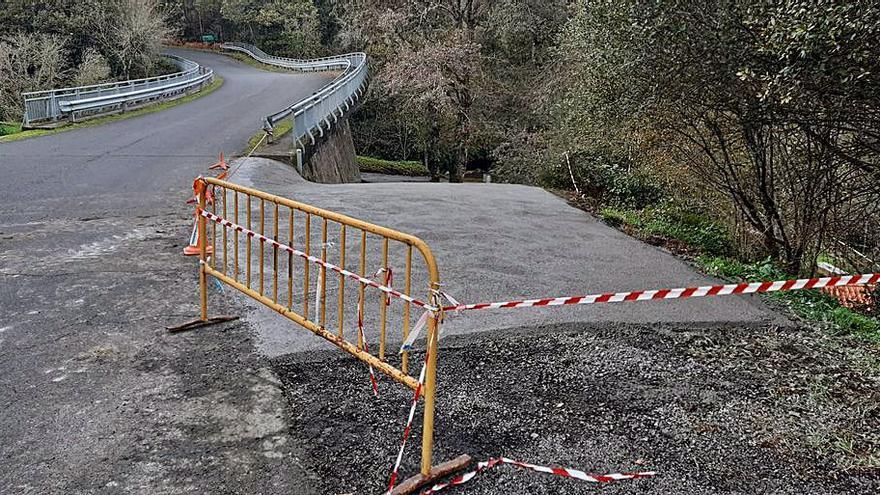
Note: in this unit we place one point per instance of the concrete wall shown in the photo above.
(332, 160)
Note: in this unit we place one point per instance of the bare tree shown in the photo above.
(28, 62)
(131, 33)
(93, 69)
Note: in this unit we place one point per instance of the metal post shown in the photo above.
(430, 382)
(203, 248)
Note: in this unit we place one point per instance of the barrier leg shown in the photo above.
(203, 320)
(427, 473)
(430, 388)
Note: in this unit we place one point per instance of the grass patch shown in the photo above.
(247, 59)
(811, 305)
(8, 128)
(378, 166)
(281, 129)
(215, 84)
(688, 232)
(240, 56)
(670, 221)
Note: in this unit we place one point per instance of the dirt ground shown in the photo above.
(738, 409)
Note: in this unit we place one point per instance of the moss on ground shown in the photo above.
(378, 166)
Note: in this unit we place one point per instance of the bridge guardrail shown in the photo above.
(314, 114)
(98, 99)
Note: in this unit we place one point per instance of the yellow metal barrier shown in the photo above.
(295, 224)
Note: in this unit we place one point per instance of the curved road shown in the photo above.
(143, 158)
(95, 397)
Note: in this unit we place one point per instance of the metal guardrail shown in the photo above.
(313, 115)
(98, 99)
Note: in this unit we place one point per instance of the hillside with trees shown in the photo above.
(747, 129)
(76, 43)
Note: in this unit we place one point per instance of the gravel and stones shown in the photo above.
(734, 409)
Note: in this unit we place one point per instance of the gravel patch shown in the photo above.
(735, 409)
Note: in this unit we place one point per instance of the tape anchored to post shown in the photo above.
(563, 472)
(414, 333)
(410, 340)
(408, 429)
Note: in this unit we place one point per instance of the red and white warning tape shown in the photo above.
(611, 297)
(317, 261)
(558, 471)
(680, 293)
(408, 429)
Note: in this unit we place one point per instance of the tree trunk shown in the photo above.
(433, 169)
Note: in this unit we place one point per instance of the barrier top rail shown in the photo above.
(315, 112)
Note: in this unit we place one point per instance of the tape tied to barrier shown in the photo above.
(312, 259)
(374, 382)
(410, 340)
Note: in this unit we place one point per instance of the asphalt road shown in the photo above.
(95, 396)
(141, 162)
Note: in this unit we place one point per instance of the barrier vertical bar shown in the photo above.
(290, 261)
(225, 243)
(214, 234)
(203, 248)
(363, 266)
(431, 373)
(235, 238)
(383, 308)
(404, 364)
(323, 278)
(262, 244)
(248, 238)
(341, 301)
(275, 259)
(308, 252)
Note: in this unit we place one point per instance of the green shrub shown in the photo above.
(686, 224)
(613, 180)
(6, 129)
(812, 305)
(673, 221)
(378, 166)
(618, 218)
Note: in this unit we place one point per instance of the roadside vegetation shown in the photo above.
(7, 128)
(46, 45)
(703, 125)
(391, 167)
(690, 233)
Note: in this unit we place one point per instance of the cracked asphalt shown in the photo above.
(95, 396)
